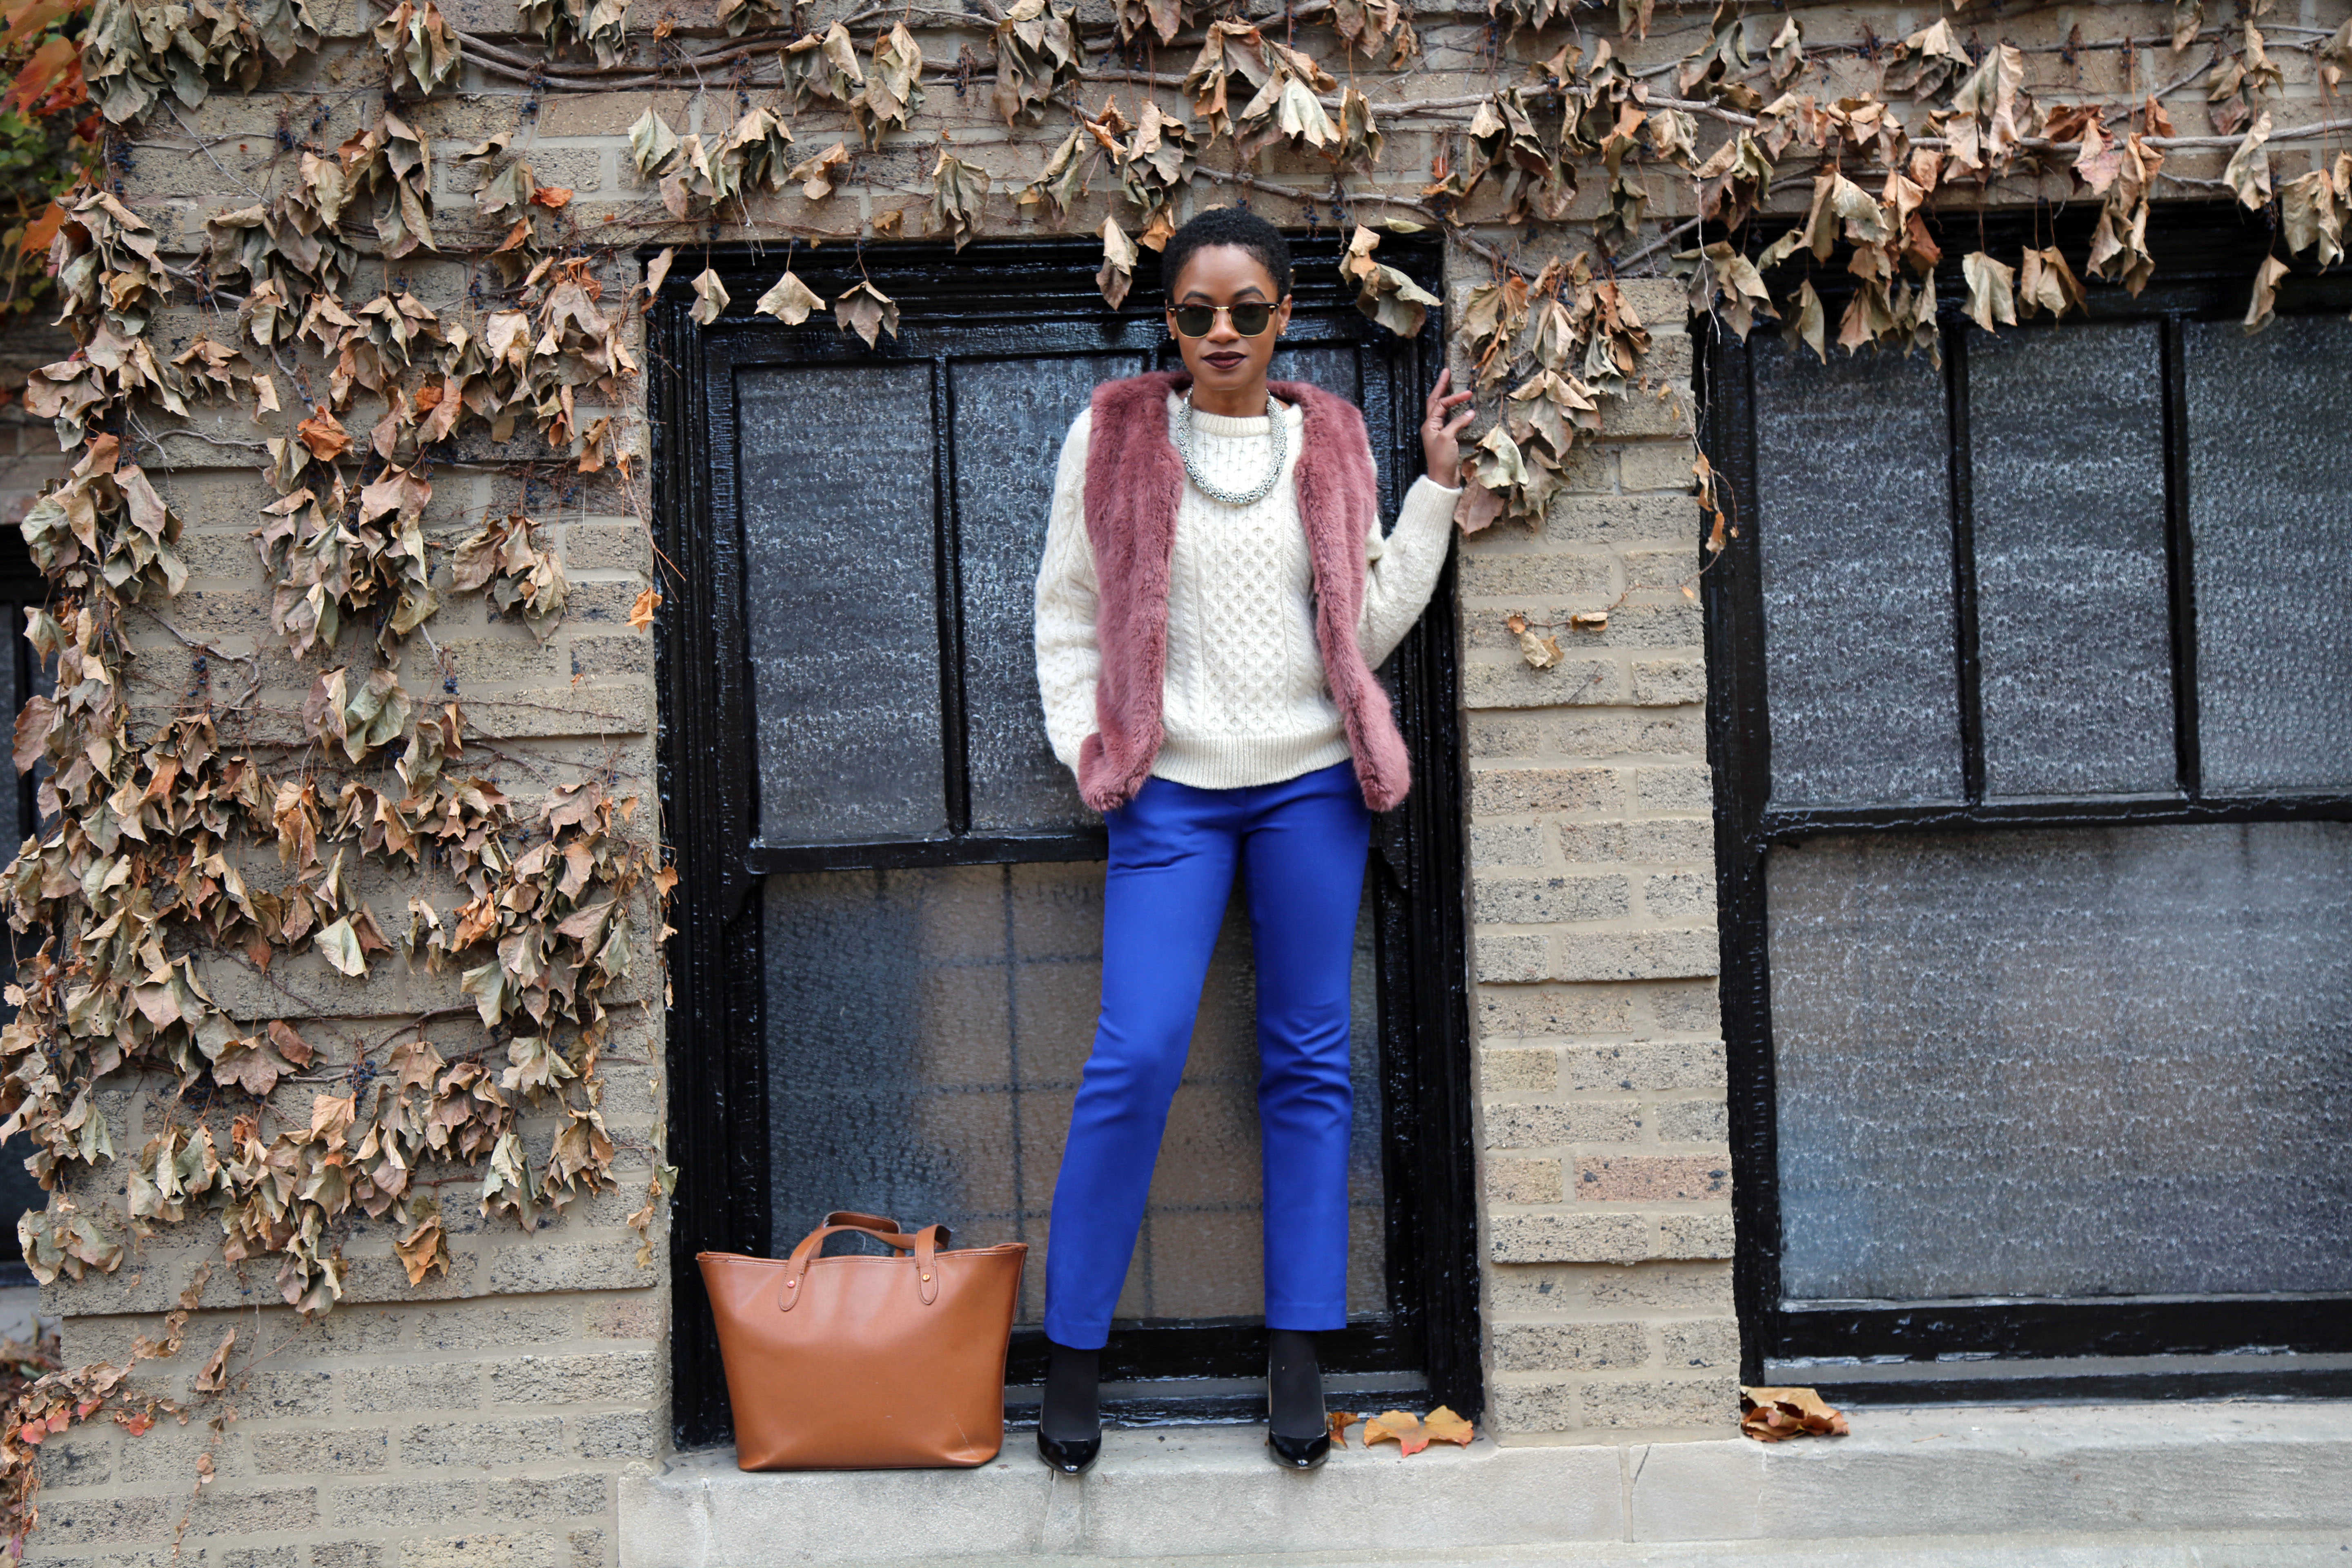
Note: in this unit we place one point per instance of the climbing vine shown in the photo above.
(189, 844)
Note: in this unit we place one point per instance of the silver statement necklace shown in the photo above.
(1273, 469)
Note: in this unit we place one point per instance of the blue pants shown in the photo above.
(1172, 853)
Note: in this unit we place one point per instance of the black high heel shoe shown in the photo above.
(1292, 1378)
(1299, 1453)
(1071, 1456)
(1072, 1392)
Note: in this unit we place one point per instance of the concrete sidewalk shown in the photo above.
(2204, 1484)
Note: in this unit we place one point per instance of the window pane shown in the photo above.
(1854, 510)
(840, 601)
(926, 1030)
(2064, 1062)
(2073, 619)
(2269, 510)
(1010, 419)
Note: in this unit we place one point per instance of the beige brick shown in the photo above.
(1688, 790)
(1662, 1402)
(1679, 896)
(1622, 520)
(1693, 1121)
(1684, 1007)
(1567, 1238)
(412, 1386)
(1638, 1178)
(1694, 1236)
(1486, 683)
(1501, 957)
(1570, 1347)
(1659, 1287)
(1532, 1405)
(1523, 1181)
(617, 1434)
(1498, 790)
(333, 1451)
(1654, 466)
(1709, 1343)
(1538, 900)
(1669, 682)
(1518, 1126)
(600, 1379)
(1529, 1068)
(1547, 575)
(403, 1503)
(550, 1497)
(1653, 955)
(482, 1444)
(629, 653)
(1644, 1065)
(1535, 1012)
(1507, 843)
(536, 1549)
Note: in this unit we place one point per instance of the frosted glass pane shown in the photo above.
(840, 601)
(2064, 1062)
(1010, 419)
(926, 1030)
(2073, 619)
(2269, 510)
(1855, 518)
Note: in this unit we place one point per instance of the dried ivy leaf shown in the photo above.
(895, 90)
(653, 146)
(867, 310)
(2249, 172)
(789, 300)
(1038, 55)
(418, 48)
(425, 1245)
(1383, 293)
(1807, 325)
(1992, 290)
(340, 945)
(959, 191)
(2049, 284)
(1119, 256)
(2263, 302)
(710, 297)
(641, 613)
(816, 176)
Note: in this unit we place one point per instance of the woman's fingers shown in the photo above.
(1460, 422)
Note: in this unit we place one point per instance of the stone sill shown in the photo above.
(1943, 1475)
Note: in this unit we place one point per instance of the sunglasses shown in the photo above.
(1249, 319)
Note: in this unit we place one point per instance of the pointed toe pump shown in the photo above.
(1299, 1453)
(1294, 1399)
(1071, 1456)
(1072, 1407)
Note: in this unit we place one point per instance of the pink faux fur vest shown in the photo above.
(1134, 480)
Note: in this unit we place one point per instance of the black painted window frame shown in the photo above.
(22, 588)
(2207, 255)
(707, 776)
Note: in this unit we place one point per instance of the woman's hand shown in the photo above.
(1441, 447)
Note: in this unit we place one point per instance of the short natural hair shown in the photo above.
(1237, 226)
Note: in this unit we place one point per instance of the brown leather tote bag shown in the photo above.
(866, 1362)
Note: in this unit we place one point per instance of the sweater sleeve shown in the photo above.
(1400, 570)
(1067, 658)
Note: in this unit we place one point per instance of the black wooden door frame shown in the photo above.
(2207, 256)
(719, 1125)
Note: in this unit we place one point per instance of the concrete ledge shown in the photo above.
(2095, 1474)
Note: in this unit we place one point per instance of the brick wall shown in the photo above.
(1601, 1131)
(480, 1419)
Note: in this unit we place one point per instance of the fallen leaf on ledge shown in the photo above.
(1340, 1420)
(1776, 1415)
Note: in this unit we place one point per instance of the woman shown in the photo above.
(1215, 592)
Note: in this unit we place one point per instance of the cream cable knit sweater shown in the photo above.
(1243, 700)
